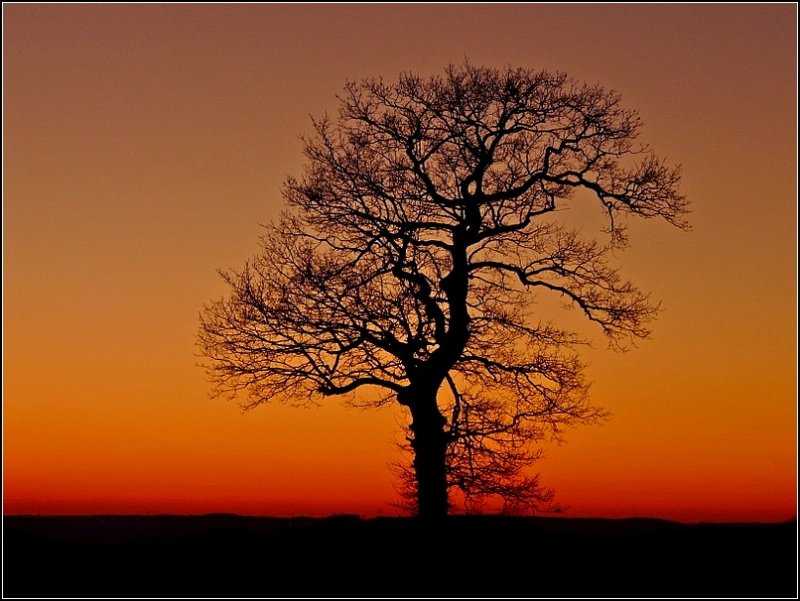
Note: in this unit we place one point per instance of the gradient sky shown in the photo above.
(143, 145)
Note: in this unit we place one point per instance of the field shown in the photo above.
(231, 556)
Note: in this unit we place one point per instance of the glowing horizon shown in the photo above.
(144, 145)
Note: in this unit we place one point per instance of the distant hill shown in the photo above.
(224, 555)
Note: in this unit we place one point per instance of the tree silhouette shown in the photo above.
(408, 257)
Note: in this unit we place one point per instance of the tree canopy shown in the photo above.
(408, 259)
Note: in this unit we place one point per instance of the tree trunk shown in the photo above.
(430, 445)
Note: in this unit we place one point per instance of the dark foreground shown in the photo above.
(232, 556)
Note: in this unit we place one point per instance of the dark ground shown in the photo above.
(232, 556)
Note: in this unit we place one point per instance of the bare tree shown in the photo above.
(407, 260)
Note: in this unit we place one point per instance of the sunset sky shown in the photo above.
(144, 145)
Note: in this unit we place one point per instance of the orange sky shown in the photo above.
(144, 144)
